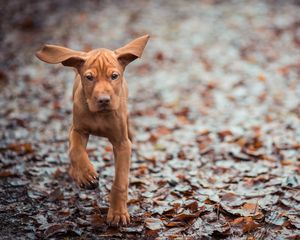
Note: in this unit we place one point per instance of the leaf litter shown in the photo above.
(214, 107)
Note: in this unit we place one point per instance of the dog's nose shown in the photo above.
(104, 99)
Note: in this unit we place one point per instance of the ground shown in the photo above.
(214, 104)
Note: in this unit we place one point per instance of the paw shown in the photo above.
(84, 176)
(117, 218)
(117, 212)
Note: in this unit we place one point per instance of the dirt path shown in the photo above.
(215, 105)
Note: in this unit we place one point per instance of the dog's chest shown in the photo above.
(101, 126)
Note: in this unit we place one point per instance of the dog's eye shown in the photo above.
(89, 77)
(114, 76)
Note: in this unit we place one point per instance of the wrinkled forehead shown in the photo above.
(102, 59)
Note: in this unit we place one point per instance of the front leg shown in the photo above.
(81, 169)
(118, 212)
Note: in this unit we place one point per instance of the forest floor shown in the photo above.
(214, 104)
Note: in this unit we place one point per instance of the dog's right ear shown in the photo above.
(57, 54)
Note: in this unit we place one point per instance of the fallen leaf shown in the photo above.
(291, 182)
(174, 224)
(56, 195)
(244, 224)
(277, 218)
(97, 221)
(173, 232)
(247, 209)
(185, 216)
(191, 205)
(231, 199)
(5, 174)
(132, 229)
(154, 224)
(63, 228)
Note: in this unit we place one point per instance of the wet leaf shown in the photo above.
(277, 218)
(5, 174)
(154, 224)
(174, 232)
(291, 182)
(185, 216)
(191, 204)
(247, 209)
(61, 229)
(244, 225)
(175, 224)
(231, 199)
(133, 229)
(295, 221)
(56, 195)
(97, 221)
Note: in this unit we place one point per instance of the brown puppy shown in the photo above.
(100, 108)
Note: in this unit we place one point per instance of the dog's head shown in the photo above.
(101, 70)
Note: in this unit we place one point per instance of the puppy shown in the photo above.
(100, 108)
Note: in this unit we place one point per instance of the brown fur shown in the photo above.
(93, 116)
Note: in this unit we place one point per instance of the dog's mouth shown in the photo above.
(97, 107)
(100, 108)
(104, 108)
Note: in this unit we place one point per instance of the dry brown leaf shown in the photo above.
(186, 216)
(174, 224)
(5, 174)
(231, 199)
(97, 220)
(192, 205)
(247, 209)
(246, 224)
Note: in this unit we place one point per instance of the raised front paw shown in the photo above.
(85, 176)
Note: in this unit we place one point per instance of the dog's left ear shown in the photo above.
(132, 50)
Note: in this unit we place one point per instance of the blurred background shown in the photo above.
(216, 91)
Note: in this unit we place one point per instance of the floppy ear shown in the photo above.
(132, 50)
(57, 54)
